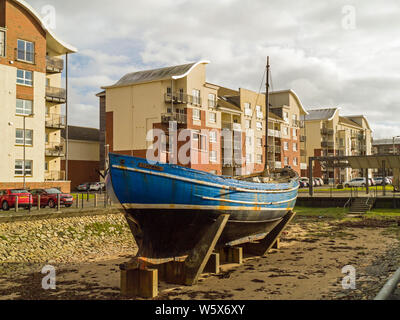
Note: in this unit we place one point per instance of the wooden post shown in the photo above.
(139, 283)
(16, 203)
(213, 264)
(77, 200)
(265, 245)
(310, 177)
(83, 200)
(38, 202)
(198, 258)
(95, 200)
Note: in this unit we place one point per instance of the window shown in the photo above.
(196, 96)
(26, 51)
(259, 142)
(286, 161)
(213, 156)
(213, 136)
(200, 141)
(286, 146)
(2, 43)
(24, 107)
(249, 158)
(19, 167)
(196, 114)
(286, 131)
(294, 132)
(295, 162)
(259, 158)
(295, 147)
(286, 116)
(248, 124)
(19, 137)
(248, 141)
(25, 77)
(260, 114)
(259, 126)
(247, 109)
(213, 117)
(211, 100)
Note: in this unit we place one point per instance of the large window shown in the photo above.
(19, 167)
(213, 156)
(196, 114)
(24, 107)
(200, 141)
(196, 96)
(26, 51)
(260, 114)
(2, 43)
(19, 137)
(259, 126)
(247, 109)
(25, 77)
(213, 136)
(213, 117)
(211, 100)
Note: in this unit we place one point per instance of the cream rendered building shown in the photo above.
(30, 92)
(329, 134)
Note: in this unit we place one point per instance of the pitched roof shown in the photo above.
(175, 72)
(81, 133)
(379, 142)
(350, 122)
(321, 114)
(224, 102)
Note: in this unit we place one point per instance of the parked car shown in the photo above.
(379, 181)
(305, 181)
(83, 187)
(95, 186)
(372, 182)
(49, 197)
(321, 182)
(8, 198)
(358, 182)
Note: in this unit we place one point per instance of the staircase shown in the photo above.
(361, 205)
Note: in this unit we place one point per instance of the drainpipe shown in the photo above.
(66, 117)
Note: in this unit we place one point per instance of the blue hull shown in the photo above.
(168, 207)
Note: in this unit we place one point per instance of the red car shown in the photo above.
(49, 197)
(9, 197)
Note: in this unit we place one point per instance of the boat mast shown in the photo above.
(267, 115)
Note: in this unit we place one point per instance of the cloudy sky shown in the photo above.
(345, 53)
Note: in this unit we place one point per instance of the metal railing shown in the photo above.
(54, 64)
(182, 98)
(326, 131)
(327, 144)
(55, 121)
(390, 287)
(54, 149)
(54, 94)
(180, 118)
(298, 123)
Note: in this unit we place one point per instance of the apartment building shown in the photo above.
(386, 146)
(83, 154)
(227, 128)
(31, 94)
(330, 134)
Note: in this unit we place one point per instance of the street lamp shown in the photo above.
(394, 148)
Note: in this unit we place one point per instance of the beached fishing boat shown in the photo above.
(169, 207)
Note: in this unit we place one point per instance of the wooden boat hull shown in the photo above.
(168, 208)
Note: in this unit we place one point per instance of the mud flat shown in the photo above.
(307, 266)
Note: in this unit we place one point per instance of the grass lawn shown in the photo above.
(341, 213)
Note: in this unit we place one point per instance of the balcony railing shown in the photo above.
(298, 123)
(232, 126)
(180, 118)
(274, 133)
(57, 95)
(54, 175)
(326, 131)
(182, 98)
(55, 150)
(327, 144)
(55, 121)
(278, 165)
(303, 138)
(54, 64)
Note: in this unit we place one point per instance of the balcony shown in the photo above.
(232, 126)
(327, 144)
(303, 138)
(180, 118)
(278, 165)
(303, 166)
(326, 131)
(54, 65)
(56, 95)
(182, 98)
(54, 176)
(55, 150)
(298, 124)
(55, 121)
(274, 133)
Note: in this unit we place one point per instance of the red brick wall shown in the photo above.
(64, 186)
(82, 171)
(21, 25)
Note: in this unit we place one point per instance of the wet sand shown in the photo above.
(307, 266)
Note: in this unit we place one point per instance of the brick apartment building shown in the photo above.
(227, 128)
(31, 93)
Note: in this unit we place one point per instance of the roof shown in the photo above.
(53, 41)
(321, 114)
(223, 102)
(175, 73)
(295, 96)
(350, 122)
(359, 117)
(379, 142)
(82, 133)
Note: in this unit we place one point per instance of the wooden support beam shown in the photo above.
(231, 255)
(265, 245)
(198, 258)
(213, 264)
(139, 283)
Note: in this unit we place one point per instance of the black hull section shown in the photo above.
(162, 234)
